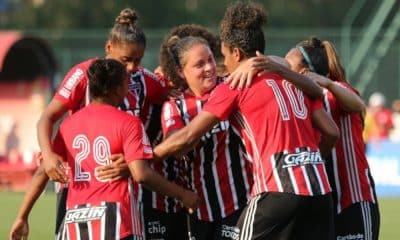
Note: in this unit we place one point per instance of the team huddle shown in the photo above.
(219, 142)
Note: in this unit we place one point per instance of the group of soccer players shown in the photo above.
(278, 157)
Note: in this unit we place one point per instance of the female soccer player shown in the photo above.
(163, 216)
(291, 193)
(356, 207)
(98, 208)
(126, 43)
(219, 161)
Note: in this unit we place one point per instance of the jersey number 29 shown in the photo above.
(101, 150)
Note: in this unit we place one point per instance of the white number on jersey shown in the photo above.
(296, 99)
(101, 151)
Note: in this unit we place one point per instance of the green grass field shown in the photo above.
(42, 217)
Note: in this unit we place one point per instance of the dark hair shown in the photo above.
(105, 76)
(176, 48)
(241, 27)
(126, 30)
(167, 61)
(323, 58)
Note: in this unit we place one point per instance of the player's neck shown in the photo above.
(100, 101)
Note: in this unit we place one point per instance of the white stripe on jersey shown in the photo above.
(135, 213)
(90, 230)
(307, 180)
(350, 175)
(77, 231)
(275, 172)
(203, 185)
(230, 174)
(293, 180)
(215, 175)
(353, 160)
(257, 162)
(321, 185)
(370, 186)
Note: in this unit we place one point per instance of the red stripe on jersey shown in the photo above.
(350, 167)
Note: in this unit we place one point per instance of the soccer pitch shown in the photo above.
(42, 218)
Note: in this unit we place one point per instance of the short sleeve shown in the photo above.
(73, 87)
(222, 101)
(157, 87)
(136, 144)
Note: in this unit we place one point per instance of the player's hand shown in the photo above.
(54, 167)
(321, 80)
(190, 200)
(19, 230)
(270, 64)
(242, 75)
(116, 170)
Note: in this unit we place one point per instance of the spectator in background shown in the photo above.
(378, 121)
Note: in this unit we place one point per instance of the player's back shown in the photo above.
(90, 136)
(275, 117)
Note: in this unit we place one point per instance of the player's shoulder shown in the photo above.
(149, 75)
(84, 65)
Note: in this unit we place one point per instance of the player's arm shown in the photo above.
(186, 138)
(348, 100)
(145, 175)
(260, 64)
(52, 162)
(328, 129)
(116, 170)
(20, 227)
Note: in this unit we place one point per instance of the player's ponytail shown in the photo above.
(336, 70)
(126, 29)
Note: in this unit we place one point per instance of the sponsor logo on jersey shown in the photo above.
(351, 237)
(71, 82)
(84, 214)
(230, 232)
(302, 158)
(219, 127)
(156, 227)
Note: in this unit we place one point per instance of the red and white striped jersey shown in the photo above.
(85, 140)
(348, 167)
(274, 119)
(219, 170)
(147, 91)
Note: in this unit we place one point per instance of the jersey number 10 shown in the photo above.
(295, 96)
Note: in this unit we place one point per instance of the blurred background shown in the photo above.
(40, 40)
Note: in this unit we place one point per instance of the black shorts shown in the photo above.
(61, 207)
(159, 225)
(282, 216)
(359, 221)
(224, 229)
